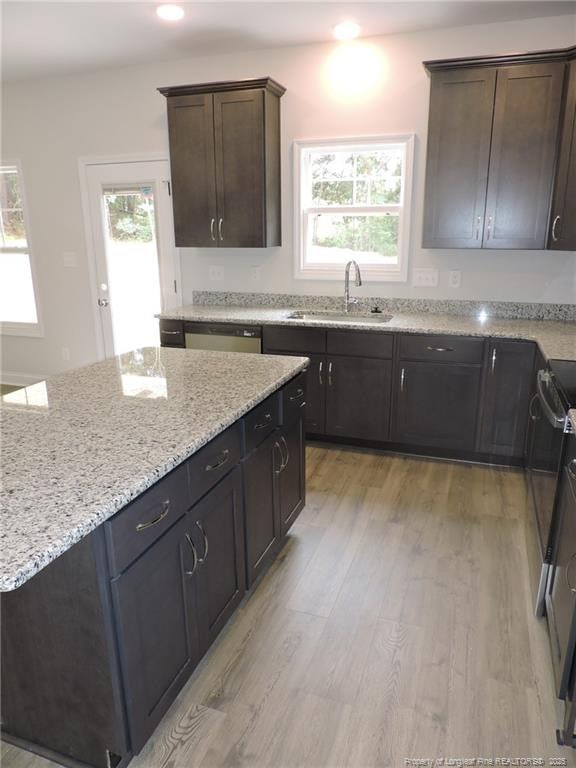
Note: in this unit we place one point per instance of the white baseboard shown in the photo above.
(24, 379)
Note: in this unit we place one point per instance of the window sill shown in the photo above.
(369, 275)
(33, 330)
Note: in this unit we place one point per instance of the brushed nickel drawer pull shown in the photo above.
(320, 367)
(267, 418)
(330, 369)
(300, 393)
(493, 361)
(212, 231)
(220, 463)
(171, 333)
(161, 516)
(567, 573)
(279, 469)
(194, 556)
(402, 377)
(202, 560)
(554, 229)
(440, 349)
(220, 232)
(303, 404)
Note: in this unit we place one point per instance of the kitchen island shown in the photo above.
(124, 530)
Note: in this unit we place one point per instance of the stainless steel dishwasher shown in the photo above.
(223, 337)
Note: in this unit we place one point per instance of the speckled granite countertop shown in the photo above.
(557, 340)
(572, 417)
(78, 447)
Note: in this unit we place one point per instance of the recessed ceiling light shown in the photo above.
(346, 30)
(170, 12)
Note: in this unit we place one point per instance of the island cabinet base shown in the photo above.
(97, 645)
(61, 693)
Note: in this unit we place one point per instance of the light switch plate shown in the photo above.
(425, 277)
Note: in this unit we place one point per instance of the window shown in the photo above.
(18, 310)
(353, 202)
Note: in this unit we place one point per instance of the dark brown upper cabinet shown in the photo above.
(492, 146)
(562, 235)
(225, 163)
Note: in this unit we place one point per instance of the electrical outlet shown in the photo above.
(454, 278)
(425, 277)
(216, 272)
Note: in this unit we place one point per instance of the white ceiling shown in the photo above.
(46, 38)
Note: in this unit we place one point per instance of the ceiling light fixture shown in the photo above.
(170, 12)
(346, 30)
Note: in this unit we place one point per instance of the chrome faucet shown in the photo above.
(357, 283)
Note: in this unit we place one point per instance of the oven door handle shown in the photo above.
(558, 422)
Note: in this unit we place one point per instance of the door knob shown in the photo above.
(103, 302)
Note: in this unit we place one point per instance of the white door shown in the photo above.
(136, 269)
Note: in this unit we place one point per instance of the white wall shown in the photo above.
(48, 124)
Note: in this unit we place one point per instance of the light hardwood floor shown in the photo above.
(396, 623)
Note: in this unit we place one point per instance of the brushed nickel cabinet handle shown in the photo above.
(202, 560)
(493, 363)
(330, 369)
(279, 469)
(478, 223)
(533, 416)
(171, 333)
(220, 463)
(297, 396)
(212, 229)
(267, 419)
(402, 377)
(554, 230)
(440, 349)
(320, 369)
(220, 232)
(567, 573)
(489, 228)
(194, 556)
(283, 439)
(161, 516)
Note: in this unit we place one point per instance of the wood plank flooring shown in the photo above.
(396, 623)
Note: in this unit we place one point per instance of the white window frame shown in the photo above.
(25, 329)
(370, 273)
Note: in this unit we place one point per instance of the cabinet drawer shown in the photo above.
(144, 520)
(282, 338)
(450, 349)
(214, 461)
(294, 399)
(261, 421)
(171, 333)
(360, 343)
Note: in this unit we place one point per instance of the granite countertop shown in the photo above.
(572, 417)
(78, 447)
(557, 340)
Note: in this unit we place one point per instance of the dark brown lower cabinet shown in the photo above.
(358, 397)
(216, 527)
(261, 515)
(155, 606)
(316, 395)
(436, 405)
(292, 475)
(507, 386)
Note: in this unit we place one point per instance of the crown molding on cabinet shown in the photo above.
(534, 57)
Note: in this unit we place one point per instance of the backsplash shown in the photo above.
(509, 310)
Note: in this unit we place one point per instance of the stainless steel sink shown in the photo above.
(328, 315)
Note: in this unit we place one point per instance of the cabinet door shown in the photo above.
(261, 510)
(155, 608)
(522, 158)
(563, 220)
(316, 395)
(291, 478)
(358, 397)
(460, 126)
(436, 405)
(561, 600)
(191, 132)
(240, 168)
(217, 528)
(507, 386)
